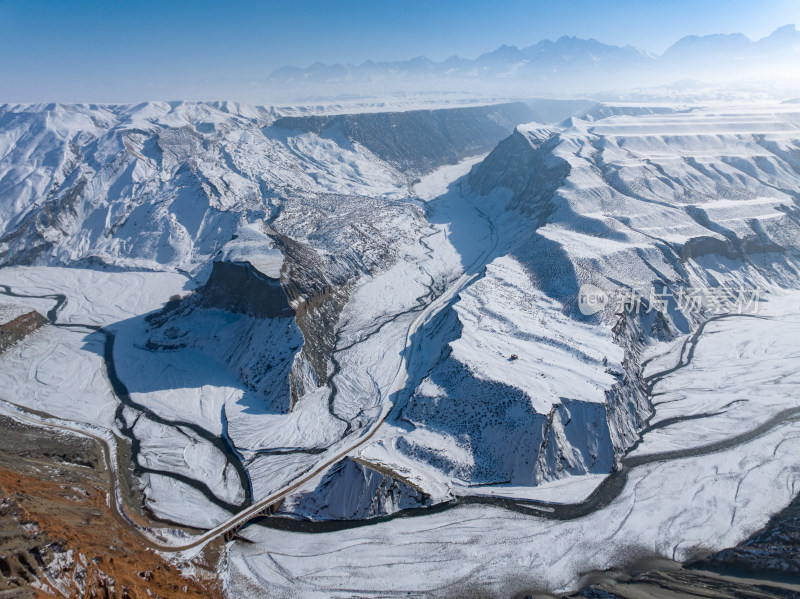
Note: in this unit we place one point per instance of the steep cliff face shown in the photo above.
(631, 201)
(317, 291)
(268, 315)
(576, 441)
(520, 395)
(524, 164)
(241, 318)
(240, 288)
(419, 140)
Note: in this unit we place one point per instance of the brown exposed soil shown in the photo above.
(16, 329)
(58, 536)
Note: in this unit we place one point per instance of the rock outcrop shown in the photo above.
(354, 490)
(420, 140)
(15, 326)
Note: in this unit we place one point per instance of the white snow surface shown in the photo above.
(9, 312)
(93, 296)
(624, 196)
(719, 501)
(253, 246)
(743, 373)
(59, 372)
(504, 315)
(435, 183)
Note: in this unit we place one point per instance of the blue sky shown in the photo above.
(107, 50)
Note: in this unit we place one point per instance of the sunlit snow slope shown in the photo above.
(414, 277)
(518, 387)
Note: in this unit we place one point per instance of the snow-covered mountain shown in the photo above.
(166, 185)
(626, 197)
(566, 65)
(390, 302)
(179, 186)
(289, 223)
(543, 59)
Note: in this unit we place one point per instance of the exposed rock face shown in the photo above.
(627, 402)
(420, 140)
(576, 441)
(353, 490)
(31, 239)
(276, 335)
(18, 327)
(241, 318)
(583, 437)
(318, 297)
(239, 288)
(729, 246)
(524, 164)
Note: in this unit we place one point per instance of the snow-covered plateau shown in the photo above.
(373, 324)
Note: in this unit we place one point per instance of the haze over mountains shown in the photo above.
(569, 65)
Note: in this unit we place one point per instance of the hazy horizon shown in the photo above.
(115, 52)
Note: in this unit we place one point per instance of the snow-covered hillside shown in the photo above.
(278, 221)
(162, 185)
(387, 307)
(516, 387)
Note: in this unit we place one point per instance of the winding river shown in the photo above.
(251, 513)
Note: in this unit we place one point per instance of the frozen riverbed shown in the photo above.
(671, 508)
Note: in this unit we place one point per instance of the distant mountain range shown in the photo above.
(569, 64)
